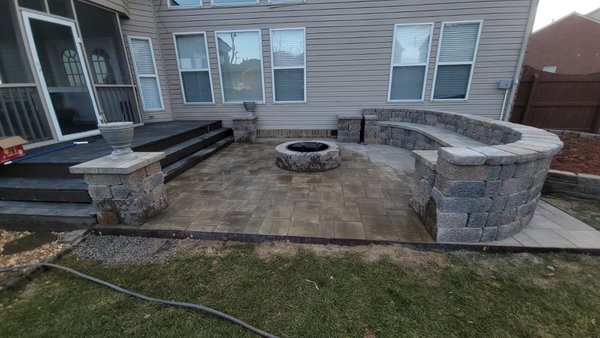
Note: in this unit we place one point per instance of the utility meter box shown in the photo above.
(505, 84)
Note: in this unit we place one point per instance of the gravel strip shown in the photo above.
(115, 250)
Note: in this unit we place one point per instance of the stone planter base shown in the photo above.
(244, 128)
(128, 191)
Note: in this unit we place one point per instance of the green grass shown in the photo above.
(430, 294)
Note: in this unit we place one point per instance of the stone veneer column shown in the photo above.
(372, 130)
(129, 190)
(348, 128)
(244, 128)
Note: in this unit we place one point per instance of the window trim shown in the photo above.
(262, 67)
(273, 68)
(247, 3)
(212, 92)
(138, 76)
(426, 64)
(171, 7)
(462, 63)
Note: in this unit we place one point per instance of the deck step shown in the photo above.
(44, 190)
(44, 216)
(188, 147)
(170, 141)
(174, 169)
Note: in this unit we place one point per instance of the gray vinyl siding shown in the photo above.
(119, 6)
(142, 23)
(349, 45)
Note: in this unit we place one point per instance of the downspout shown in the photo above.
(528, 30)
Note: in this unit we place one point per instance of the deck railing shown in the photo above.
(118, 102)
(21, 113)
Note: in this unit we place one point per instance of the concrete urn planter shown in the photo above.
(119, 135)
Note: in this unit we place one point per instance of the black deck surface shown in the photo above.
(97, 147)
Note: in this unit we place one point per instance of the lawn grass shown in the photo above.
(310, 294)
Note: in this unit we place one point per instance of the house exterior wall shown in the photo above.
(142, 23)
(348, 46)
(119, 6)
(571, 45)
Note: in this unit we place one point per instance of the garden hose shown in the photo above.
(147, 298)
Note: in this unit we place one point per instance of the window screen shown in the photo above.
(288, 50)
(456, 59)
(410, 57)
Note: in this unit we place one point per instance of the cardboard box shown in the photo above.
(11, 148)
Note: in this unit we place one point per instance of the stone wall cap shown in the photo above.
(462, 156)
(370, 117)
(428, 157)
(496, 156)
(245, 117)
(349, 117)
(122, 166)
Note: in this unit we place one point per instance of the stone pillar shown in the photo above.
(348, 128)
(372, 130)
(129, 190)
(244, 128)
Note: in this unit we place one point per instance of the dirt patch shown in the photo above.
(579, 156)
(33, 254)
(369, 253)
(587, 211)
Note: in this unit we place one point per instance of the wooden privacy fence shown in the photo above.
(558, 101)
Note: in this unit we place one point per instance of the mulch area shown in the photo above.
(579, 156)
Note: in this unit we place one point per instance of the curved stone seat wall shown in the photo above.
(476, 191)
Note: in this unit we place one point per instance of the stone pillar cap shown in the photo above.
(121, 166)
(244, 116)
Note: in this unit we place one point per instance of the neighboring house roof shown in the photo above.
(595, 19)
(568, 45)
(594, 14)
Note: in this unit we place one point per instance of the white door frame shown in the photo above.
(38, 66)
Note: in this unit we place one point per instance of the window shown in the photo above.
(73, 69)
(194, 68)
(550, 69)
(234, 2)
(456, 60)
(145, 70)
(240, 64)
(61, 7)
(184, 3)
(102, 69)
(410, 57)
(288, 57)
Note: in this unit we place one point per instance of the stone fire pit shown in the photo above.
(308, 156)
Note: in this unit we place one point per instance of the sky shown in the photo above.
(550, 10)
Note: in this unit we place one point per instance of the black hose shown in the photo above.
(147, 298)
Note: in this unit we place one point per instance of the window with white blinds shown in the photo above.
(144, 65)
(240, 65)
(288, 57)
(456, 60)
(410, 59)
(194, 67)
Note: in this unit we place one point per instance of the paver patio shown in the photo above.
(241, 191)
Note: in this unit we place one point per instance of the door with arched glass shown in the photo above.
(58, 57)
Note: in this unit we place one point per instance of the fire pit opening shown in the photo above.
(308, 156)
(307, 147)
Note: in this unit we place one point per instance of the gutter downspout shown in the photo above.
(528, 31)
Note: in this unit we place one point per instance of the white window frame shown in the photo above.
(426, 63)
(169, 6)
(138, 76)
(247, 3)
(273, 68)
(212, 93)
(462, 63)
(262, 68)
